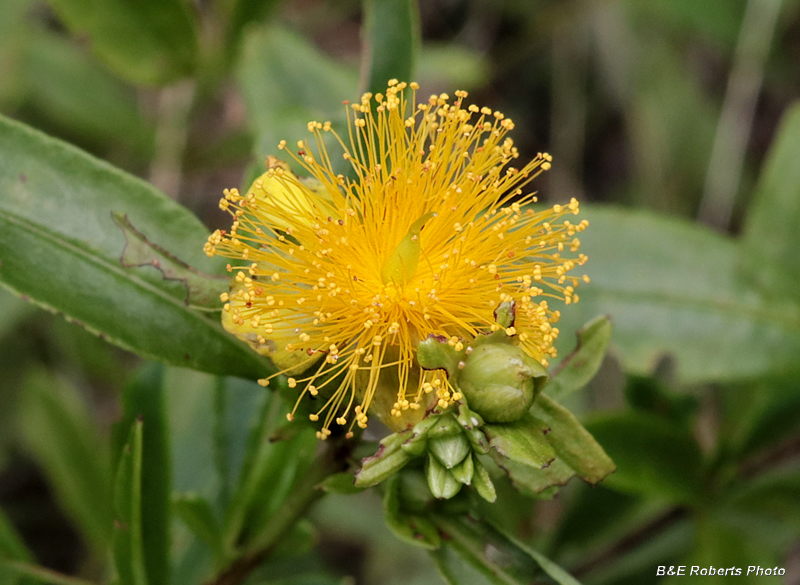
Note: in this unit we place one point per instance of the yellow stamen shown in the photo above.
(338, 281)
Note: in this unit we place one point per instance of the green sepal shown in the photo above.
(478, 441)
(388, 460)
(418, 443)
(522, 441)
(440, 481)
(450, 451)
(434, 353)
(463, 471)
(411, 528)
(446, 426)
(505, 314)
(469, 419)
(482, 482)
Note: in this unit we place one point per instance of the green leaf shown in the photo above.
(13, 42)
(387, 460)
(243, 411)
(771, 241)
(286, 82)
(143, 401)
(190, 408)
(265, 484)
(244, 13)
(127, 542)
(59, 432)
(82, 97)
(670, 287)
(13, 310)
(456, 571)
(391, 36)
(720, 544)
(196, 513)
(37, 574)
(535, 481)
(579, 367)
(149, 41)
(759, 415)
(11, 546)
(572, 442)
(298, 541)
(71, 238)
(413, 529)
(522, 441)
(482, 555)
(202, 290)
(558, 574)
(772, 495)
(718, 22)
(654, 457)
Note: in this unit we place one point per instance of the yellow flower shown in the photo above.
(343, 277)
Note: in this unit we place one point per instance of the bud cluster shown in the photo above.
(497, 384)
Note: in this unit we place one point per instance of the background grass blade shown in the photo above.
(391, 37)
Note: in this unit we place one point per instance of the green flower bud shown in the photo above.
(450, 451)
(500, 381)
(464, 470)
(440, 481)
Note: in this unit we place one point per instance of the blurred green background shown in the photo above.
(673, 121)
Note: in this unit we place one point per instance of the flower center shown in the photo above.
(401, 265)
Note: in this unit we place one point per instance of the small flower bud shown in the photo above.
(500, 381)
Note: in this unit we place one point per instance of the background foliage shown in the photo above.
(675, 120)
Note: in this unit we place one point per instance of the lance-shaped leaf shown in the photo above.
(535, 481)
(150, 41)
(671, 287)
(55, 214)
(770, 242)
(391, 35)
(572, 442)
(127, 541)
(202, 290)
(196, 513)
(11, 546)
(579, 367)
(143, 400)
(59, 432)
